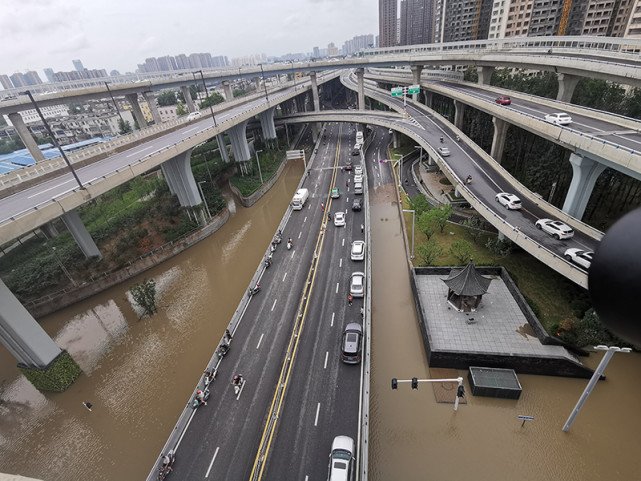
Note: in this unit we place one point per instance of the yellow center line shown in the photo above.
(292, 348)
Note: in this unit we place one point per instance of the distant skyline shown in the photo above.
(118, 34)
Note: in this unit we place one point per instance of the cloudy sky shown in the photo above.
(119, 34)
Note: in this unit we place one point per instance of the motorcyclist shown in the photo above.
(201, 398)
(166, 461)
(468, 180)
(441, 139)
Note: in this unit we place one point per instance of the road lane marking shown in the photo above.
(340, 262)
(140, 151)
(317, 412)
(343, 244)
(275, 300)
(326, 356)
(337, 288)
(50, 188)
(332, 324)
(285, 276)
(305, 219)
(212, 462)
(260, 340)
(300, 234)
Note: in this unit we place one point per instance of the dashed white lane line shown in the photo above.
(50, 188)
(212, 462)
(326, 357)
(317, 413)
(284, 277)
(340, 262)
(260, 340)
(275, 300)
(300, 234)
(332, 324)
(337, 288)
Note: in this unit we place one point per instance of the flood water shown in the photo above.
(138, 374)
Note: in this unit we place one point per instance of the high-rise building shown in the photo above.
(49, 74)
(77, 64)
(316, 53)
(18, 80)
(462, 20)
(633, 26)
(417, 19)
(6, 82)
(32, 78)
(387, 22)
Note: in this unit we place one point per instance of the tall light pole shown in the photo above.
(400, 171)
(203, 197)
(413, 223)
(258, 162)
(293, 74)
(609, 352)
(53, 139)
(420, 162)
(264, 84)
(211, 103)
(115, 104)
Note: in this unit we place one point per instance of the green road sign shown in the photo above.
(414, 89)
(397, 92)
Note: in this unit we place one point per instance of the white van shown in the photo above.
(358, 188)
(300, 197)
(193, 116)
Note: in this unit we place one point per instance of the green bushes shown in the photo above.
(57, 377)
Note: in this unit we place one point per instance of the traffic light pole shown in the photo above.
(460, 391)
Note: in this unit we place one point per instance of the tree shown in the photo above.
(442, 215)
(500, 248)
(144, 295)
(181, 110)
(124, 127)
(476, 226)
(167, 98)
(430, 251)
(462, 250)
(427, 223)
(214, 99)
(238, 92)
(419, 203)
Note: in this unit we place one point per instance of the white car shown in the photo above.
(559, 118)
(358, 178)
(358, 170)
(341, 459)
(194, 116)
(358, 250)
(555, 228)
(357, 284)
(444, 151)
(509, 201)
(579, 257)
(339, 219)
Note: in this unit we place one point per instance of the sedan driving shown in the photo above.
(509, 201)
(351, 345)
(339, 219)
(358, 250)
(559, 118)
(555, 228)
(503, 100)
(444, 151)
(579, 257)
(357, 284)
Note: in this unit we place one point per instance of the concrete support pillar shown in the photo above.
(256, 83)
(428, 98)
(567, 84)
(315, 127)
(498, 142)
(135, 107)
(220, 138)
(25, 136)
(485, 75)
(458, 114)
(501, 236)
(229, 93)
(151, 101)
(177, 172)
(585, 173)
(267, 123)
(80, 234)
(315, 92)
(49, 230)
(416, 78)
(361, 88)
(395, 139)
(188, 100)
(239, 145)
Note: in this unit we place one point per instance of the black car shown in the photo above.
(351, 346)
(358, 204)
(348, 167)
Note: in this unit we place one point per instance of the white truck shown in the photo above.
(300, 197)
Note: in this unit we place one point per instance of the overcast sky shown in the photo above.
(119, 34)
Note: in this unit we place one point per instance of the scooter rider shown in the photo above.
(201, 398)
(166, 461)
(468, 180)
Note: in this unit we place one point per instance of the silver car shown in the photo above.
(559, 118)
(341, 459)
(444, 151)
(358, 250)
(357, 284)
(352, 343)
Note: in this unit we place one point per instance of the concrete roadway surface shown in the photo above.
(323, 394)
(222, 439)
(583, 123)
(486, 181)
(65, 183)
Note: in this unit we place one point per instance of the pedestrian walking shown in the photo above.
(350, 299)
(329, 216)
(362, 313)
(322, 207)
(362, 228)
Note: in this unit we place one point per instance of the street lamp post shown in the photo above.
(211, 103)
(400, 170)
(264, 83)
(202, 195)
(293, 74)
(53, 139)
(609, 352)
(413, 223)
(420, 162)
(258, 162)
(115, 104)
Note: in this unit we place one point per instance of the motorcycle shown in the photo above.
(290, 244)
(238, 382)
(254, 290)
(209, 377)
(223, 349)
(197, 402)
(268, 261)
(165, 468)
(277, 239)
(468, 180)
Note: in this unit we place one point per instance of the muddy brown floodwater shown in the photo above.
(138, 374)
